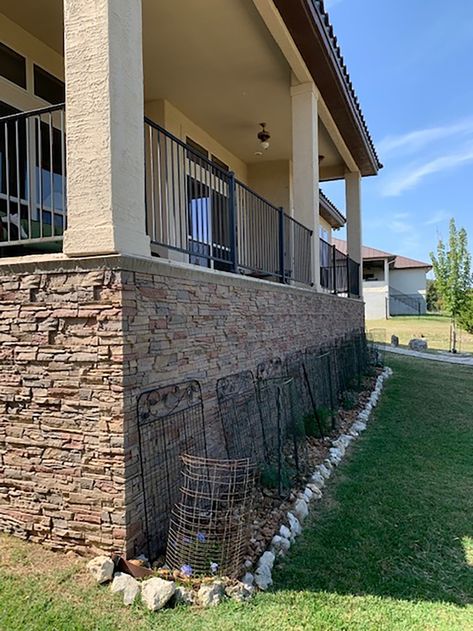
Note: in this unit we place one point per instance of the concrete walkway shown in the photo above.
(464, 360)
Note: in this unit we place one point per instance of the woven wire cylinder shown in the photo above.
(209, 525)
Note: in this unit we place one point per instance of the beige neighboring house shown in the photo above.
(392, 284)
(160, 215)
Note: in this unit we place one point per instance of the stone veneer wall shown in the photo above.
(187, 323)
(61, 407)
(80, 339)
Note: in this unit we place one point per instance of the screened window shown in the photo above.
(12, 66)
(48, 87)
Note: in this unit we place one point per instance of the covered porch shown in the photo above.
(208, 192)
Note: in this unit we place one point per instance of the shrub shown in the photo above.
(311, 422)
(349, 399)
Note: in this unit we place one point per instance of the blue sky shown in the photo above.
(410, 62)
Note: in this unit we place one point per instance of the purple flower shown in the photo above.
(200, 537)
(186, 570)
(214, 568)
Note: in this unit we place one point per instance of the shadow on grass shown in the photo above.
(397, 520)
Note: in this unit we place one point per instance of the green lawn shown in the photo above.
(390, 548)
(435, 328)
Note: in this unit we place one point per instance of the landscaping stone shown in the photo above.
(240, 592)
(101, 568)
(300, 510)
(285, 532)
(127, 585)
(294, 525)
(211, 595)
(156, 592)
(263, 578)
(267, 558)
(184, 596)
(248, 579)
(417, 344)
(318, 479)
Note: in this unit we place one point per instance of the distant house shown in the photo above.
(392, 284)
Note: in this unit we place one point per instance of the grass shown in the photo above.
(391, 547)
(435, 328)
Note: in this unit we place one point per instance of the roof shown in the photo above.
(402, 262)
(396, 261)
(330, 212)
(309, 25)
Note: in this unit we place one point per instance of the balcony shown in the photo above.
(197, 212)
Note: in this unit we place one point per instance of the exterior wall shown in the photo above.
(409, 281)
(375, 294)
(80, 341)
(173, 120)
(271, 179)
(35, 51)
(61, 420)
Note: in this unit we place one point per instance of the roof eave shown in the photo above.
(310, 28)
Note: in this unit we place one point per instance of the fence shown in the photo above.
(338, 272)
(199, 210)
(32, 177)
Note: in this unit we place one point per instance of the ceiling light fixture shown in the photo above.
(264, 136)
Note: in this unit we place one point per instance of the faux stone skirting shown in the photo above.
(81, 339)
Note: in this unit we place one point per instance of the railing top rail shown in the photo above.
(36, 112)
(311, 232)
(184, 145)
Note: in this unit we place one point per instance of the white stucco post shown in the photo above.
(105, 137)
(305, 166)
(353, 210)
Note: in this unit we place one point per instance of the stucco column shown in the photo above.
(105, 137)
(305, 166)
(353, 210)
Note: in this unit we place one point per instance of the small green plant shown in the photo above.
(269, 476)
(349, 399)
(323, 417)
(370, 371)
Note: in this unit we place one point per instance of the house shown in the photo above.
(392, 284)
(160, 165)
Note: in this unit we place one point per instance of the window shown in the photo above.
(220, 163)
(12, 66)
(48, 87)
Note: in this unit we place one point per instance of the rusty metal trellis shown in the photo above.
(240, 416)
(170, 423)
(209, 525)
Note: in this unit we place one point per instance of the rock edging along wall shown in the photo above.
(81, 339)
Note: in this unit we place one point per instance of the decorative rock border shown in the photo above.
(157, 592)
(281, 542)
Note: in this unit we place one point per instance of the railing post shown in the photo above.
(334, 267)
(348, 277)
(232, 211)
(281, 245)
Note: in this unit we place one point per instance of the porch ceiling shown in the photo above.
(215, 61)
(218, 63)
(43, 19)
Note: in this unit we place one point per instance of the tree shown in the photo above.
(466, 316)
(452, 269)
(434, 302)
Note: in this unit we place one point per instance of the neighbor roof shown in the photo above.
(396, 261)
(330, 212)
(309, 25)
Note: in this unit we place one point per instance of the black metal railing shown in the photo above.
(338, 272)
(197, 209)
(32, 177)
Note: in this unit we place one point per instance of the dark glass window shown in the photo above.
(220, 163)
(12, 66)
(48, 87)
